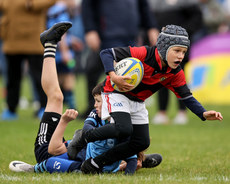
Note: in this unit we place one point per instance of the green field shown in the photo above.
(198, 152)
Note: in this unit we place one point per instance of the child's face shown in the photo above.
(98, 104)
(175, 56)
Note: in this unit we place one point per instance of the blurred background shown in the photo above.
(207, 66)
(99, 24)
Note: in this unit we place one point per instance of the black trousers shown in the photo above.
(139, 141)
(163, 99)
(14, 76)
(136, 136)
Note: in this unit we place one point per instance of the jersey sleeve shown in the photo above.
(91, 121)
(108, 56)
(180, 89)
(107, 59)
(195, 107)
(131, 166)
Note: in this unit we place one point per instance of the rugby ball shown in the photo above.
(129, 67)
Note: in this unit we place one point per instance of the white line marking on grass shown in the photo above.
(9, 178)
(176, 178)
(199, 178)
(161, 177)
(35, 178)
(223, 178)
(195, 178)
(169, 178)
(57, 178)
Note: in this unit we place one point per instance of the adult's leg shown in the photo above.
(181, 117)
(94, 69)
(163, 99)
(68, 89)
(14, 75)
(35, 66)
(182, 106)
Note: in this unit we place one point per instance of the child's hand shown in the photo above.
(69, 115)
(139, 164)
(122, 165)
(212, 115)
(120, 81)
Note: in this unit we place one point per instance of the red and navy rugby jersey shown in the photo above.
(154, 78)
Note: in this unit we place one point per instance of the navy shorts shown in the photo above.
(47, 127)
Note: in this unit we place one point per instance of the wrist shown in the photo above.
(111, 74)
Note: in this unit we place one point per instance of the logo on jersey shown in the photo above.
(57, 165)
(93, 115)
(118, 104)
(162, 78)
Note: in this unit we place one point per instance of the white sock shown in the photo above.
(50, 50)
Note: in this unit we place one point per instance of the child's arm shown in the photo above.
(56, 145)
(129, 165)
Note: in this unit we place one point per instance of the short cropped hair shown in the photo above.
(97, 89)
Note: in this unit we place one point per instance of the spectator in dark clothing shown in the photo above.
(21, 24)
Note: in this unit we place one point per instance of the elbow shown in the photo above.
(51, 151)
(56, 151)
(106, 53)
(102, 53)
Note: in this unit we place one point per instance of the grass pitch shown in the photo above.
(198, 152)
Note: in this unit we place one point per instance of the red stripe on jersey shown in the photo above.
(108, 103)
(108, 87)
(138, 52)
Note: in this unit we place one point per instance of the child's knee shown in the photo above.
(56, 97)
(123, 124)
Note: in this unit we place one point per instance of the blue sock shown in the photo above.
(56, 164)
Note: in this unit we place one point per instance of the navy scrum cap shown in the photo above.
(171, 36)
